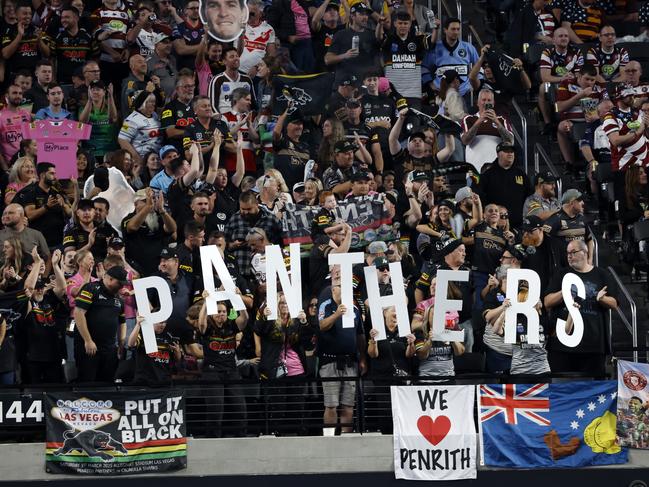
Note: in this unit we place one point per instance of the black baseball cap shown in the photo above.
(116, 243)
(85, 204)
(360, 7)
(531, 222)
(334, 5)
(97, 84)
(360, 176)
(353, 103)
(505, 147)
(381, 263)
(417, 135)
(295, 117)
(344, 146)
(544, 177)
(348, 80)
(169, 253)
(119, 273)
(419, 175)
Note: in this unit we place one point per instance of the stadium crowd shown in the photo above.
(187, 148)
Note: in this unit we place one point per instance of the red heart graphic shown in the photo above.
(434, 430)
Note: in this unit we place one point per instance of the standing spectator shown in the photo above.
(354, 50)
(606, 57)
(178, 114)
(146, 229)
(100, 323)
(558, 63)
(166, 13)
(222, 85)
(14, 222)
(155, 368)
(55, 110)
(567, 225)
(100, 112)
(188, 35)
(482, 132)
(162, 65)
(44, 75)
(450, 52)
(141, 34)
(70, 37)
(590, 354)
(45, 206)
(290, 19)
(258, 39)
(11, 119)
(498, 353)
(140, 132)
(542, 203)
(403, 52)
(505, 184)
(111, 21)
(324, 25)
(249, 215)
(137, 81)
(342, 355)
(239, 120)
(202, 130)
(582, 19)
(22, 43)
(338, 243)
(292, 152)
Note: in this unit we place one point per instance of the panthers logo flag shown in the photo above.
(506, 74)
(567, 425)
(309, 92)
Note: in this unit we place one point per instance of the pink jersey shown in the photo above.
(75, 281)
(57, 142)
(11, 132)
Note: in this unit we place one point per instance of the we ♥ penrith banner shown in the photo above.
(434, 432)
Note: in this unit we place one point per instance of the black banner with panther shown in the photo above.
(115, 433)
(309, 92)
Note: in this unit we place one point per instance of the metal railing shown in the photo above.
(539, 153)
(522, 140)
(632, 325)
(595, 248)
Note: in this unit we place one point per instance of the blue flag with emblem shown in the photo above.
(569, 424)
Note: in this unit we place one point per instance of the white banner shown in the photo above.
(434, 432)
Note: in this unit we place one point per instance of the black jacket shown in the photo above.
(280, 16)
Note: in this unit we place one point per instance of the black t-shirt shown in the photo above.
(361, 64)
(177, 115)
(466, 287)
(488, 248)
(506, 187)
(50, 224)
(104, 314)
(540, 261)
(144, 245)
(595, 338)
(379, 109)
(27, 53)
(322, 39)
(336, 107)
(227, 203)
(196, 132)
(156, 367)
(392, 353)
(274, 338)
(562, 229)
(318, 264)
(77, 237)
(43, 332)
(290, 159)
(219, 345)
(71, 52)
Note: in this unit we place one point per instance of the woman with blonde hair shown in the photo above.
(279, 178)
(22, 173)
(12, 272)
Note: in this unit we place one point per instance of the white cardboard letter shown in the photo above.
(444, 305)
(377, 302)
(210, 256)
(514, 276)
(140, 287)
(292, 286)
(577, 334)
(346, 263)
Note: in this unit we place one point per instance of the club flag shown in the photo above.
(549, 425)
(507, 76)
(309, 92)
(434, 432)
(632, 404)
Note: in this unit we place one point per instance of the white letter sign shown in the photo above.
(140, 287)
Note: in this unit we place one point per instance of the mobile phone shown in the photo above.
(489, 106)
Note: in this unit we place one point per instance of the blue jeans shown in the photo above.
(480, 280)
(7, 378)
(496, 362)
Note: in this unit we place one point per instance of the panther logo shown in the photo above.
(298, 95)
(11, 316)
(92, 442)
(505, 66)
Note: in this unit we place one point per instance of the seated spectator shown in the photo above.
(577, 104)
(140, 132)
(482, 132)
(138, 81)
(533, 24)
(606, 57)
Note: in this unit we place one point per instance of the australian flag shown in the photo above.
(309, 92)
(568, 424)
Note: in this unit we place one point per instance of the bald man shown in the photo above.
(15, 225)
(139, 80)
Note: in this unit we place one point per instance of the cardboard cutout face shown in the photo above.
(224, 19)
